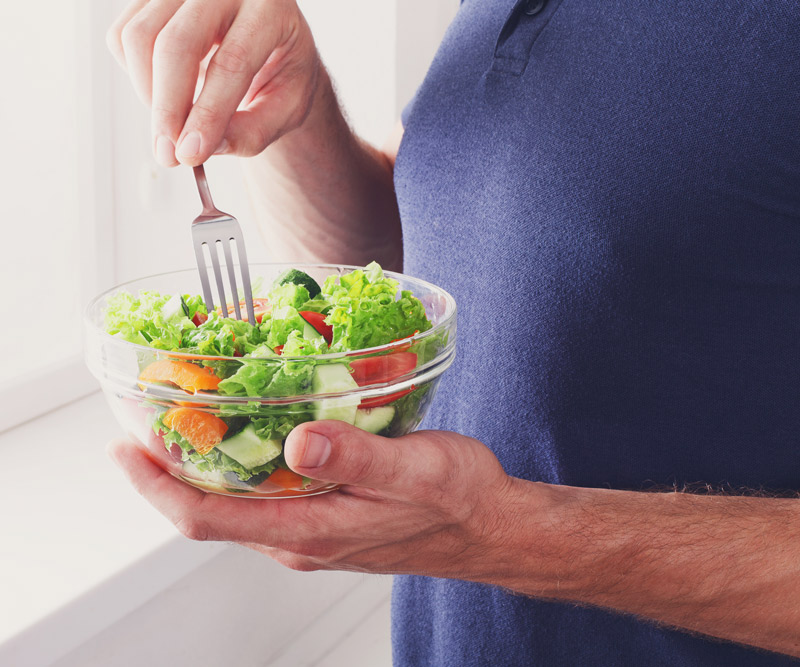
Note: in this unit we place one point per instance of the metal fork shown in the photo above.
(213, 227)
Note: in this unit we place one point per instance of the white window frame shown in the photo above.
(68, 379)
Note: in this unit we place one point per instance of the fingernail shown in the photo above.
(222, 148)
(318, 449)
(165, 152)
(189, 145)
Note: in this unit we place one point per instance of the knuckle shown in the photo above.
(231, 60)
(203, 112)
(263, 138)
(395, 466)
(444, 465)
(193, 529)
(167, 116)
(361, 464)
(135, 33)
(206, 117)
(298, 563)
(175, 41)
(113, 41)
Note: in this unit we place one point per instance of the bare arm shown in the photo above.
(724, 566)
(322, 194)
(439, 504)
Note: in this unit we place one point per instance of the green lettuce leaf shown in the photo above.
(288, 295)
(283, 322)
(287, 378)
(363, 307)
(153, 319)
(297, 346)
(278, 427)
(251, 379)
(366, 311)
(223, 336)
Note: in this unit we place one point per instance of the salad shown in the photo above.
(301, 344)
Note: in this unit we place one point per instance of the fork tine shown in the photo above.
(202, 269)
(212, 247)
(245, 269)
(211, 228)
(226, 247)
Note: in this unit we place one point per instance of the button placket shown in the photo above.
(524, 24)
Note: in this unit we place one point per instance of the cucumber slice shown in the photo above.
(329, 379)
(249, 449)
(374, 420)
(173, 308)
(310, 333)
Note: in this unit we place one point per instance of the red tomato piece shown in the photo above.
(199, 318)
(377, 401)
(385, 368)
(317, 320)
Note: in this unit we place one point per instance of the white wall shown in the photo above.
(38, 187)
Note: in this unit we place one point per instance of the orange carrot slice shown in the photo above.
(187, 376)
(203, 430)
(286, 478)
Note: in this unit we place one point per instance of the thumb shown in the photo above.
(333, 451)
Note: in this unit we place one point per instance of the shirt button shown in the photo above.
(533, 7)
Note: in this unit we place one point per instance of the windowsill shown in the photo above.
(82, 555)
(70, 527)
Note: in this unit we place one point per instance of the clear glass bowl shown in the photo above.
(406, 374)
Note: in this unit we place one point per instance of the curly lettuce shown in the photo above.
(366, 312)
(152, 319)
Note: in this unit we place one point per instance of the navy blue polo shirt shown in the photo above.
(611, 192)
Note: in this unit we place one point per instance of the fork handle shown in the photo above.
(202, 188)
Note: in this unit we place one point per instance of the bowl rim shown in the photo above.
(450, 311)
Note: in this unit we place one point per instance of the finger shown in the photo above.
(207, 516)
(138, 39)
(173, 498)
(242, 53)
(178, 50)
(338, 452)
(114, 33)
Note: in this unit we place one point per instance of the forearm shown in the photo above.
(724, 566)
(322, 194)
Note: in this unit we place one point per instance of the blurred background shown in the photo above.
(91, 575)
